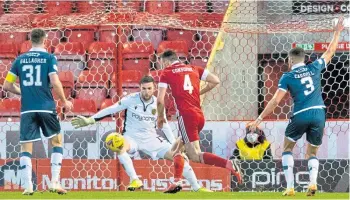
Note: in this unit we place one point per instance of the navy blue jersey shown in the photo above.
(33, 69)
(304, 84)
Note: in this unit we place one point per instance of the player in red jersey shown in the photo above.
(184, 81)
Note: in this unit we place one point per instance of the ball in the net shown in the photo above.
(114, 141)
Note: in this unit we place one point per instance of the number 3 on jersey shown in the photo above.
(187, 84)
(310, 85)
(29, 69)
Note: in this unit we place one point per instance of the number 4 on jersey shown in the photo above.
(187, 84)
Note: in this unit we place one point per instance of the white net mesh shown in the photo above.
(104, 47)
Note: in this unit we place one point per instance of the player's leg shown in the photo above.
(294, 131)
(130, 147)
(29, 132)
(190, 126)
(314, 137)
(26, 167)
(188, 172)
(51, 128)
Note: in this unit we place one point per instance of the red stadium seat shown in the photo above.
(22, 7)
(54, 37)
(71, 57)
(84, 34)
(130, 79)
(198, 6)
(160, 7)
(122, 6)
(180, 47)
(8, 51)
(58, 7)
(201, 48)
(142, 34)
(102, 56)
(207, 36)
(92, 79)
(102, 50)
(84, 107)
(16, 38)
(188, 36)
(105, 104)
(10, 108)
(137, 56)
(95, 94)
(108, 33)
(67, 79)
(87, 7)
(199, 61)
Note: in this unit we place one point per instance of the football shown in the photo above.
(114, 141)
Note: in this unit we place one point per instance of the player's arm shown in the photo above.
(211, 80)
(57, 87)
(161, 105)
(273, 103)
(11, 77)
(81, 121)
(327, 56)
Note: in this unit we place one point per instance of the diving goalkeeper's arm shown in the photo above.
(81, 121)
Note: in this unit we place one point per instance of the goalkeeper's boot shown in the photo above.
(57, 188)
(235, 168)
(174, 187)
(311, 190)
(289, 192)
(28, 191)
(135, 184)
(203, 189)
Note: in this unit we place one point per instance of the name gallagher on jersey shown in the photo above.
(33, 60)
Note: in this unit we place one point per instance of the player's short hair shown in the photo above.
(146, 79)
(37, 36)
(297, 52)
(169, 55)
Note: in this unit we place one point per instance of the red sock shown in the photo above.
(179, 162)
(212, 159)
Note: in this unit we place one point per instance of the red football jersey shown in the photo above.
(184, 81)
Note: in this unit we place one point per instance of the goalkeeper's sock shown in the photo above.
(56, 163)
(288, 164)
(212, 159)
(313, 164)
(190, 176)
(179, 162)
(25, 162)
(126, 161)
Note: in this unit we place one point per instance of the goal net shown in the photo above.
(104, 48)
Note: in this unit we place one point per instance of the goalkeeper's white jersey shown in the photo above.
(140, 117)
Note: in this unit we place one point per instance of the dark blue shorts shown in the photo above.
(311, 122)
(32, 122)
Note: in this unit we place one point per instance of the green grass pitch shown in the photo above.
(159, 195)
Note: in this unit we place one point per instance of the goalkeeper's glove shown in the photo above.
(81, 121)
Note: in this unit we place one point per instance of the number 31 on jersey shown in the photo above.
(187, 84)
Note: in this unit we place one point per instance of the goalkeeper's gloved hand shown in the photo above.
(81, 121)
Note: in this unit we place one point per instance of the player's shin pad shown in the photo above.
(81, 121)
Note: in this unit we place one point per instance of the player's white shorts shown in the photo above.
(155, 147)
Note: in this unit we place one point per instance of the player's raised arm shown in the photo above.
(81, 121)
(327, 56)
(273, 103)
(212, 81)
(10, 80)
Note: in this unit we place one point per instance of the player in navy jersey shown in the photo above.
(309, 115)
(37, 72)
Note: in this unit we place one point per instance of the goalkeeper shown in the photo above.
(140, 133)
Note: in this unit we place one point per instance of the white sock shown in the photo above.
(56, 163)
(288, 164)
(26, 169)
(313, 164)
(125, 159)
(190, 176)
